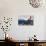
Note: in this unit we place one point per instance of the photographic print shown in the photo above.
(26, 20)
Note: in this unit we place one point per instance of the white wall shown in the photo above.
(24, 32)
(45, 28)
(15, 8)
